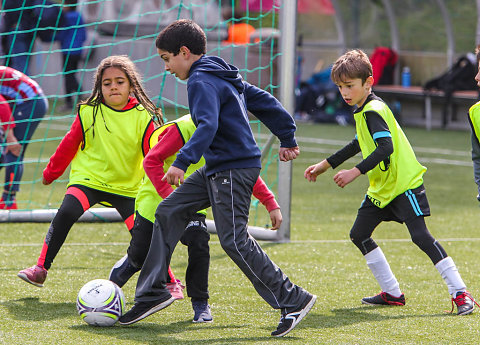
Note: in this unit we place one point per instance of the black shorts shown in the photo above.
(407, 206)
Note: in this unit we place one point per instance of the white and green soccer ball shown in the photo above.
(100, 302)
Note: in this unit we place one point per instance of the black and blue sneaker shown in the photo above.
(202, 311)
(288, 321)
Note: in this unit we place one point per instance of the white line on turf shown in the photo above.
(469, 239)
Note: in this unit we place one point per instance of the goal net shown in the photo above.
(30, 43)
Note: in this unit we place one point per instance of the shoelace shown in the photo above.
(460, 300)
(383, 295)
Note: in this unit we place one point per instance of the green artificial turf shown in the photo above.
(319, 257)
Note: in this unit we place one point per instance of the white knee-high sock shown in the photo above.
(449, 272)
(380, 268)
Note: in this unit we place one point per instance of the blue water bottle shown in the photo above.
(406, 78)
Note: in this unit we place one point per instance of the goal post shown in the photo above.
(116, 27)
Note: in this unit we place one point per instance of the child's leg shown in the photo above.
(141, 231)
(170, 276)
(27, 116)
(444, 264)
(368, 218)
(196, 239)
(76, 201)
(230, 192)
(171, 218)
(140, 241)
(74, 204)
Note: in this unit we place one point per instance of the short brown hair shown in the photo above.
(351, 65)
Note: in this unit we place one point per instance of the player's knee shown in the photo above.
(195, 236)
(139, 246)
(423, 241)
(356, 238)
(365, 244)
(137, 256)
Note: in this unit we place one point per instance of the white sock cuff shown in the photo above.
(445, 264)
(375, 255)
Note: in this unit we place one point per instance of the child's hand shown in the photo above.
(286, 154)
(276, 218)
(45, 182)
(13, 145)
(174, 176)
(344, 177)
(313, 171)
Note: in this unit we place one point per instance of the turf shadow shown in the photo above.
(32, 309)
(155, 333)
(349, 316)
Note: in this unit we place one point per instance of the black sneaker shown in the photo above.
(122, 271)
(288, 321)
(141, 310)
(384, 298)
(464, 302)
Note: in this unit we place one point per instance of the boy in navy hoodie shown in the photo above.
(218, 100)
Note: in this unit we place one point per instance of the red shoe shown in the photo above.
(465, 303)
(35, 275)
(12, 206)
(175, 289)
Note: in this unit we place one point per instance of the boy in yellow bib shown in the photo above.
(396, 191)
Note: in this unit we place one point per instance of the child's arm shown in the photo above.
(348, 151)
(13, 145)
(313, 171)
(271, 112)
(266, 197)
(205, 112)
(168, 144)
(64, 153)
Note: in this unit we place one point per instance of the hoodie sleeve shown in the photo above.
(205, 108)
(271, 112)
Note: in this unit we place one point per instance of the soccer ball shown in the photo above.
(100, 302)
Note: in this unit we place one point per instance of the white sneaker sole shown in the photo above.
(23, 276)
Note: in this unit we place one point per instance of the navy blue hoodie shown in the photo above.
(218, 99)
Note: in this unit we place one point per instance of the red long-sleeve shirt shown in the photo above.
(169, 143)
(6, 116)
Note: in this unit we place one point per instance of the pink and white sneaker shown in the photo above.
(176, 289)
(34, 275)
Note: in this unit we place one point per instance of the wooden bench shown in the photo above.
(399, 93)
